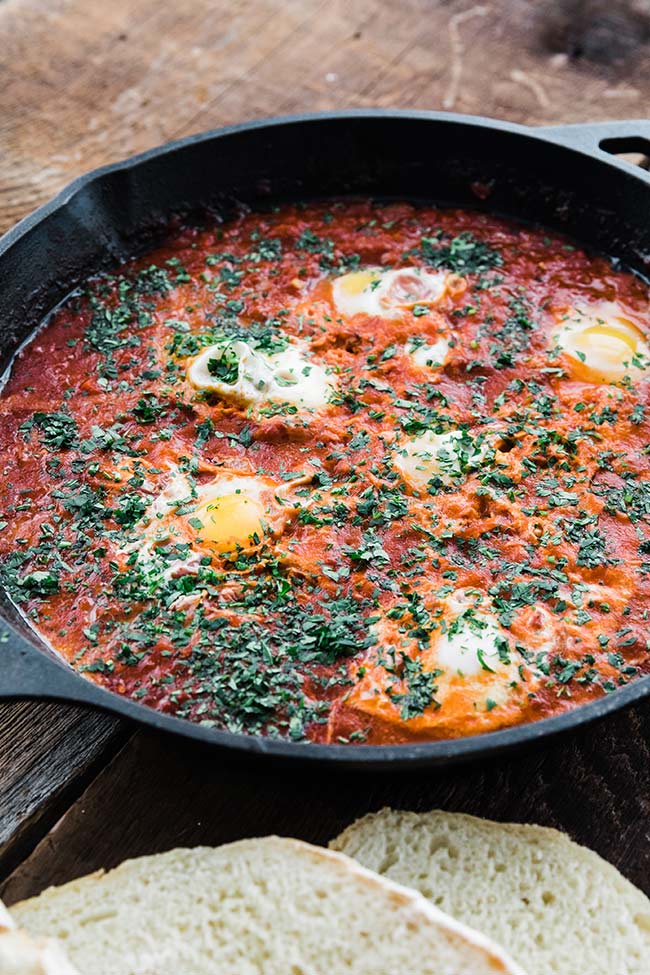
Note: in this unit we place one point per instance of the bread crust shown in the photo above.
(521, 878)
(415, 910)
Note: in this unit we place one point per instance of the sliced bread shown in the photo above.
(258, 907)
(22, 955)
(558, 908)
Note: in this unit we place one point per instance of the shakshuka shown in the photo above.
(345, 472)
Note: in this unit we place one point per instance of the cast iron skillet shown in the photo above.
(565, 178)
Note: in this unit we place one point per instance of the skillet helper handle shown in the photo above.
(26, 672)
(629, 135)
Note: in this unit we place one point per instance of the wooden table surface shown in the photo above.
(84, 82)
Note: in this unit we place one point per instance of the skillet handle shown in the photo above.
(630, 135)
(26, 672)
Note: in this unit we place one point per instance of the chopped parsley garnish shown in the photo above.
(464, 254)
(224, 366)
(315, 608)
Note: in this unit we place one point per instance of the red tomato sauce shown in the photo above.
(454, 540)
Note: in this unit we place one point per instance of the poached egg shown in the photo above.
(391, 293)
(238, 372)
(600, 343)
(474, 676)
(235, 512)
(444, 456)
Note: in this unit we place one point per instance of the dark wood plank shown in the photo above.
(48, 753)
(159, 793)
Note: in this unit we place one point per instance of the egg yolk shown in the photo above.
(607, 348)
(358, 281)
(231, 521)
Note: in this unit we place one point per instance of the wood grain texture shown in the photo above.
(83, 83)
(47, 755)
(159, 793)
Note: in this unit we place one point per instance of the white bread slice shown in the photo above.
(556, 907)
(6, 920)
(22, 955)
(258, 907)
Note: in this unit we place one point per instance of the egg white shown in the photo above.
(479, 679)
(387, 294)
(426, 355)
(442, 455)
(474, 654)
(601, 343)
(288, 376)
(470, 639)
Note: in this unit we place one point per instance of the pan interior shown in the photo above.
(122, 212)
